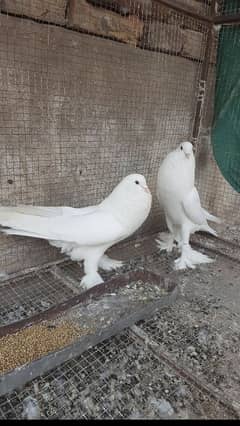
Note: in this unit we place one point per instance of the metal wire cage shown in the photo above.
(91, 90)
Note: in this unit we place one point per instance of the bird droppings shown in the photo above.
(29, 294)
(31, 410)
(118, 378)
(106, 310)
(35, 341)
(50, 290)
(162, 406)
(96, 313)
(3, 276)
(200, 339)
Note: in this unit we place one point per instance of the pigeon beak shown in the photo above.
(145, 188)
(187, 155)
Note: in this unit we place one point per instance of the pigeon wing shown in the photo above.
(192, 207)
(98, 227)
(49, 211)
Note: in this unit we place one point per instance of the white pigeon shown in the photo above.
(179, 198)
(85, 233)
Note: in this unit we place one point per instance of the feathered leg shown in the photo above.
(189, 257)
(91, 277)
(105, 262)
(167, 240)
(76, 254)
(109, 264)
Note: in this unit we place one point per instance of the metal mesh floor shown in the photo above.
(202, 341)
(113, 380)
(183, 363)
(37, 291)
(28, 295)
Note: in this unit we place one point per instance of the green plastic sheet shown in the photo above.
(226, 125)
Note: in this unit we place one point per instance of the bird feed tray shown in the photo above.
(31, 347)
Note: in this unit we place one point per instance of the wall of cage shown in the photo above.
(94, 90)
(218, 154)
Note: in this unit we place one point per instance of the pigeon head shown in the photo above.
(130, 200)
(186, 148)
(135, 184)
(136, 200)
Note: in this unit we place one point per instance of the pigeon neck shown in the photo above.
(127, 210)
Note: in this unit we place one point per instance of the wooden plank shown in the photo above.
(45, 10)
(194, 44)
(162, 36)
(104, 22)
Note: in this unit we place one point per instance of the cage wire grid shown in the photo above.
(192, 349)
(211, 166)
(115, 380)
(226, 8)
(51, 77)
(56, 84)
(79, 109)
(30, 294)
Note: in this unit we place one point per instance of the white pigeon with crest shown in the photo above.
(85, 233)
(180, 201)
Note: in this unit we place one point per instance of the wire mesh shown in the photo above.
(203, 342)
(218, 138)
(202, 7)
(31, 294)
(200, 333)
(216, 193)
(113, 380)
(189, 347)
(78, 111)
(92, 91)
(227, 7)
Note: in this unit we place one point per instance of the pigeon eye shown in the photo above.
(181, 148)
(137, 182)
